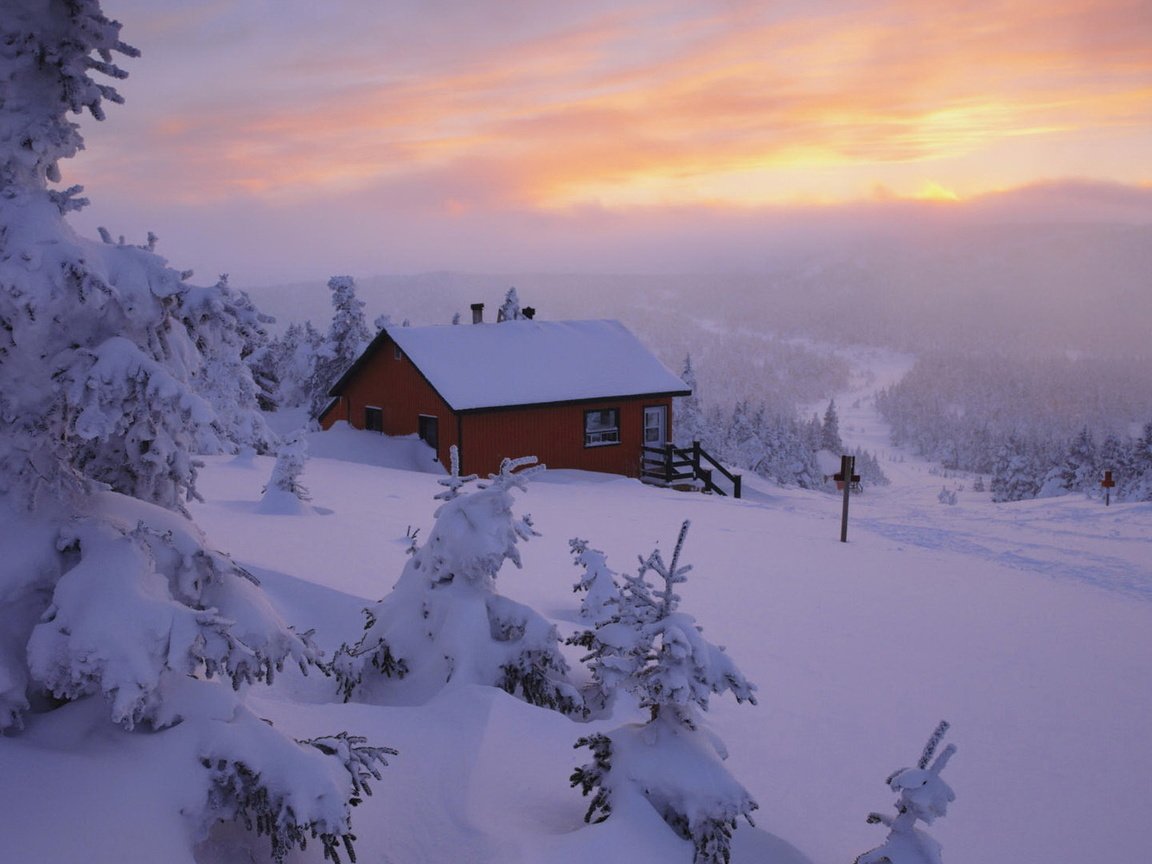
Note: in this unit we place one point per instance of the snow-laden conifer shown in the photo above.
(115, 604)
(510, 309)
(830, 430)
(284, 492)
(444, 623)
(656, 653)
(923, 796)
(348, 336)
(228, 331)
(687, 411)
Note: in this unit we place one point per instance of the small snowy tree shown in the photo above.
(444, 623)
(284, 492)
(655, 652)
(510, 309)
(923, 796)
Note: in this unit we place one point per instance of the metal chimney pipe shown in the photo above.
(477, 313)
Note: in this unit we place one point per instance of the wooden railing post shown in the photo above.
(736, 485)
(667, 463)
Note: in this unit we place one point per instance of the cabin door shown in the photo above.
(656, 426)
(430, 431)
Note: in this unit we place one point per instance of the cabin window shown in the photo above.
(601, 427)
(397, 353)
(373, 418)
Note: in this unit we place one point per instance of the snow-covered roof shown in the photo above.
(527, 362)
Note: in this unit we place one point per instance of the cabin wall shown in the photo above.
(555, 436)
(402, 394)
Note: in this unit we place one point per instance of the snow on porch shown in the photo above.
(533, 362)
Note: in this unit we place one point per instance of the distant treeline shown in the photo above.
(1037, 426)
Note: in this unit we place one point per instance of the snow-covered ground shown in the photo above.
(1027, 625)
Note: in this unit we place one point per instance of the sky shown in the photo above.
(288, 140)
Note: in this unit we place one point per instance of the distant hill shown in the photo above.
(1014, 287)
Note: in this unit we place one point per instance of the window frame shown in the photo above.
(606, 430)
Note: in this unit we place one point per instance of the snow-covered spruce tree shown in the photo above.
(657, 653)
(923, 796)
(1136, 479)
(228, 330)
(110, 599)
(292, 358)
(348, 336)
(830, 430)
(284, 492)
(443, 623)
(687, 410)
(510, 309)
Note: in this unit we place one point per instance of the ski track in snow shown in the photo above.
(1046, 536)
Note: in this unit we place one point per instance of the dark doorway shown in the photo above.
(430, 431)
(373, 419)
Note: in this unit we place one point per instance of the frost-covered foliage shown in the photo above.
(291, 359)
(348, 336)
(444, 622)
(1031, 423)
(923, 796)
(947, 496)
(510, 309)
(269, 799)
(830, 430)
(138, 600)
(228, 331)
(45, 73)
(688, 423)
(284, 491)
(657, 653)
(601, 599)
(772, 443)
(109, 594)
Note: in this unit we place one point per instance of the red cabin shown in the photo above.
(575, 394)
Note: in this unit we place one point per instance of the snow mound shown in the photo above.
(343, 442)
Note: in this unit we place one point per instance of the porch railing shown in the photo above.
(670, 465)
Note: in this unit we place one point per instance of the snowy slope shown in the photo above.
(1026, 625)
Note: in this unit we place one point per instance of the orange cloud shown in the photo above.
(703, 103)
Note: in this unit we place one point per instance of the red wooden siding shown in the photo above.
(554, 434)
(402, 394)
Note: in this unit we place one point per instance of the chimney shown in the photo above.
(528, 312)
(477, 313)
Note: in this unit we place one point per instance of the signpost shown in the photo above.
(1107, 483)
(844, 480)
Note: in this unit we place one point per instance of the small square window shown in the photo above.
(397, 353)
(601, 427)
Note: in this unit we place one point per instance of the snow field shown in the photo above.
(858, 650)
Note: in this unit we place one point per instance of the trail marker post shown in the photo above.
(844, 480)
(1107, 483)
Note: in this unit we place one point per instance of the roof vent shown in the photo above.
(477, 313)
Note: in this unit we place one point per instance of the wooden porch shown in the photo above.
(689, 467)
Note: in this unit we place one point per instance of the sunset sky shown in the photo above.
(291, 139)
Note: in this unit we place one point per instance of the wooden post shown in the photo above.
(736, 486)
(1107, 483)
(847, 472)
(667, 463)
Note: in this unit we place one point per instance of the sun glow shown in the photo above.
(933, 191)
